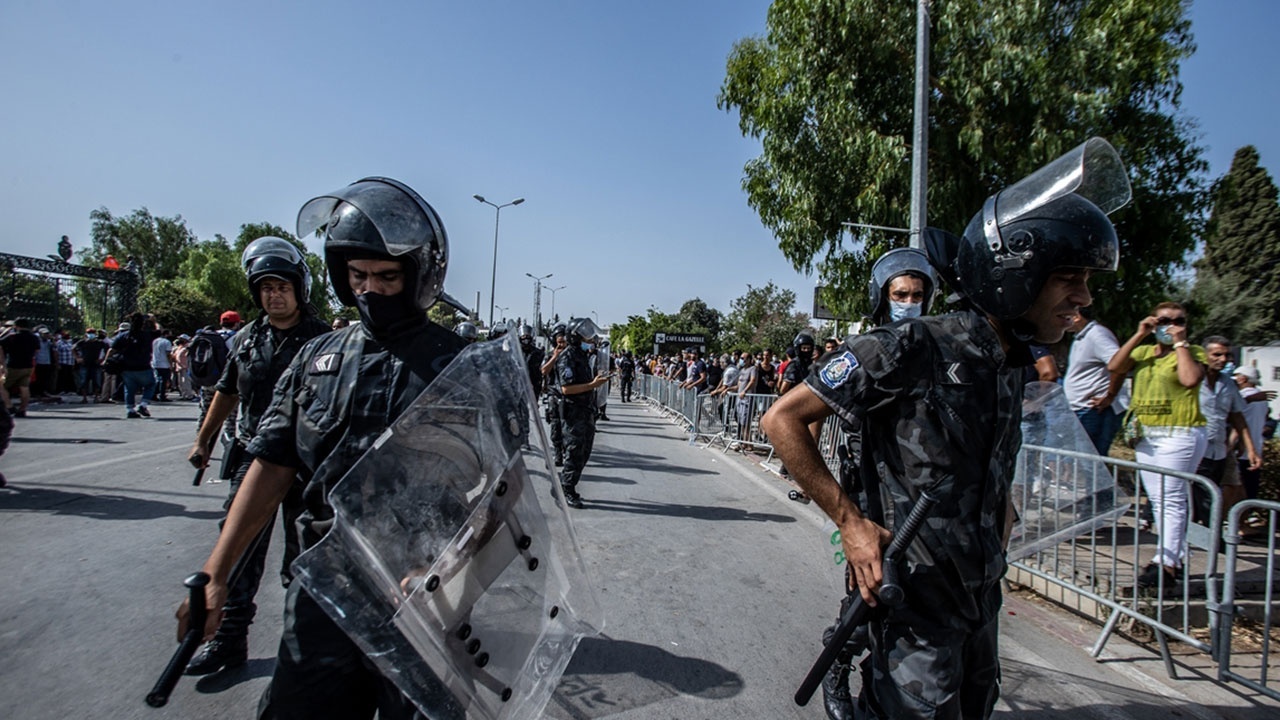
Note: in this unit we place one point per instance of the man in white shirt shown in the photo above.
(1090, 387)
(1255, 416)
(161, 364)
(1222, 406)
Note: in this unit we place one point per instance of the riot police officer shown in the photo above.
(940, 398)
(280, 283)
(533, 356)
(555, 400)
(467, 331)
(626, 375)
(578, 408)
(902, 286)
(386, 252)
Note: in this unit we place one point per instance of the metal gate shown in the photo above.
(63, 295)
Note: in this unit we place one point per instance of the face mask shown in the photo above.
(586, 347)
(1163, 336)
(1229, 369)
(902, 311)
(387, 313)
(91, 336)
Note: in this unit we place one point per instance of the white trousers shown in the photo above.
(1172, 448)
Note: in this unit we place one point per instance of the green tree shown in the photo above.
(158, 244)
(178, 306)
(1237, 289)
(697, 318)
(764, 317)
(829, 93)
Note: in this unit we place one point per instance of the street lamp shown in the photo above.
(497, 215)
(503, 310)
(553, 292)
(537, 299)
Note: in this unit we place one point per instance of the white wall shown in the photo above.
(1267, 360)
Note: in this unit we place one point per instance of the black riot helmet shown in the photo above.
(803, 339)
(558, 330)
(270, 256)
(896, 263)
(582, 330)
(525, 334)
(498, 330)
(380, 218)
(467, 331)
(1054, 218)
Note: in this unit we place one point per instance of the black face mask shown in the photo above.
(388, 315)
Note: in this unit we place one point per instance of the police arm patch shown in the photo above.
(838, 369)
(326, 364)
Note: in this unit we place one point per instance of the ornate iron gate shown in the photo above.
(63, 295)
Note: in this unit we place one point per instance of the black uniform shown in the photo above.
(339, 394)
(258, 357)
(533, 358)
(555, 418)
(940, 404)
(578, 415)
(627, 374)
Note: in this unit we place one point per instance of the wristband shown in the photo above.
(1181, 344)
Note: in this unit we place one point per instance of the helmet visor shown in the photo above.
(269, 247)
(1093, 170)
(383, 204)
(899, 261)
(585, 328)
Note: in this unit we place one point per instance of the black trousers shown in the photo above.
(322, 675)
(625, 389)
(579, 436)
(556, 422)
(239, 610)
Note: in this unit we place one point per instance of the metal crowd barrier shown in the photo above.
(1270, 510)
(1095, 574)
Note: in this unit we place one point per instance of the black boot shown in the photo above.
(571, 497)
(220, 653)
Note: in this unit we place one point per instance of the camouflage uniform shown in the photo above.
(259, 355)
(578, 413)
(337, 396)
(939, 405)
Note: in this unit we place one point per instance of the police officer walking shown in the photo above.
(533, 356)
(555, 400)
(386, 253)
(280, 283)
(578, 409)
(940, 399)
(626, 375)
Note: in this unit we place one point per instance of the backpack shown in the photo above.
(207, 356)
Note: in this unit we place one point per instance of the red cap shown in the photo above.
(229, 317)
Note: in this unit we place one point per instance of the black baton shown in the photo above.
(159, 694)
(856, 614)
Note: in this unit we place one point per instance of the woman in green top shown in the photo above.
(1166, 400)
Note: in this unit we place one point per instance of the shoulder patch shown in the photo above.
(326, 364)
(838, 369)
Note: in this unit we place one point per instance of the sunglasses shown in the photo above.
(1179, 321)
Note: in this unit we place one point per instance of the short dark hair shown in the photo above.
(1215, 340)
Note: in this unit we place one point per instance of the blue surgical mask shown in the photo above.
(586, 347)
(90, 336)
(1163, 336)
(902, 311)
(1229, 369)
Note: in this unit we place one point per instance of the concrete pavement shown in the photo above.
(716, 587)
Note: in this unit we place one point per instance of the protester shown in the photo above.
(1090, 388)
(1166, 401)
(20, 347)
(88, 358)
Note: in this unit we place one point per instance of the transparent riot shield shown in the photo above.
(1061, 488)
(452, 562)
(603, 364)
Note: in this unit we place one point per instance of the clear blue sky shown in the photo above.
(601, 114)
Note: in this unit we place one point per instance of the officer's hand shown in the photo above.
(215, 594)
(863, 541)
(1147, 326)
(199, 455)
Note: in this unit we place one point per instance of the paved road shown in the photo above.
(716, 587)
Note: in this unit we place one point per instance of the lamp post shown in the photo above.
(497, 215)
(537, 299)
(553, 292)
(502, 317)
